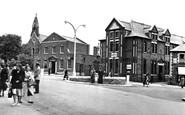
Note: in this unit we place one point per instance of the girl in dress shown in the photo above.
(30, 84)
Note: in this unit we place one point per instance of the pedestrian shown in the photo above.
(37, 75)
(30, 84)
(18, 76)
(3, 80)
(65, 75)
(182, 81)
(100, 76)
(93, 72)
(146, 80)
(49, 71)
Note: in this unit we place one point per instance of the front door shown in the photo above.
(160, 74)
(53, 67)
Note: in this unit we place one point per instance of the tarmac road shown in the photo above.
(59, 97)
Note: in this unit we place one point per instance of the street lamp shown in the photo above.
(75, 30)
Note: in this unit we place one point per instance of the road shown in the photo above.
(58, 97)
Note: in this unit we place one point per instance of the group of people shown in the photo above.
(100, 76)
(21, 82)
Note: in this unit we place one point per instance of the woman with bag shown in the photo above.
(30, 84)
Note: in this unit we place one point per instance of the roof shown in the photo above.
(141, 30)
(72, 39)
(137, 30)
(42, 37)
(180, 48)
(176, 39)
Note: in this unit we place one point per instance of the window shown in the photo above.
(117, 34)
(153, 67)
(134, 68)
(116, 65)
(144, 46)
(154, 36)
(154, 48)
(181, 58)
(166, 67)
(167, 50)
(111, 64)
(61, 49)
(69, 64)
(45, 50)
(134, 48)
(61, 66)
(117, 45)
(111, 34)
(144, 66)
(167, 39)
(111, 45)
(53, 49)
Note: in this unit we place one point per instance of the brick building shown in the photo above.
(56, 52)
(135, 49)
(177, 63)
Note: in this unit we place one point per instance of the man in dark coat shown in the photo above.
(100, 76)
(3, 79)
(65, 75)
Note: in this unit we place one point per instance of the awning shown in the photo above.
(181, 70)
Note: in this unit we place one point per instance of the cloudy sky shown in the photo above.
(17, 16)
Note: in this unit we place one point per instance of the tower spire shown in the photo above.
(35, 26)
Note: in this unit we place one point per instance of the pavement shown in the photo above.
(6, 107)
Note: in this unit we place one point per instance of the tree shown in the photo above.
(26, 49)
(25, 59)
(10, 46)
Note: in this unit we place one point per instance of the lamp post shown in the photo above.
(75, 30)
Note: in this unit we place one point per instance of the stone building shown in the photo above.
(135, 49)
(55, 52)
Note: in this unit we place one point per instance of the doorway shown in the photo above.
(160, 74)
(53, 67)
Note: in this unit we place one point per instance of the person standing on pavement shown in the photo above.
(146, 80)
(182, 81)
(30, 84)
(37, 75)
(65, 75)
(3, 80)
(18, 75)
(100, 76)
(93, 72)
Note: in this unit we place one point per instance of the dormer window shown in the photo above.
(117, 34)
(167, 39)
(111, 35)
(154, 36)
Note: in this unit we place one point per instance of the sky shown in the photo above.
(17, 16)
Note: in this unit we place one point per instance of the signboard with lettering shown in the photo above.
(129, 66)
(113, 54)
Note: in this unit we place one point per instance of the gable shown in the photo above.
(154, 29)
(167, 32)
(54, 37)
(113, 25)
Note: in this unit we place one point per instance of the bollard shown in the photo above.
(128, 79)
